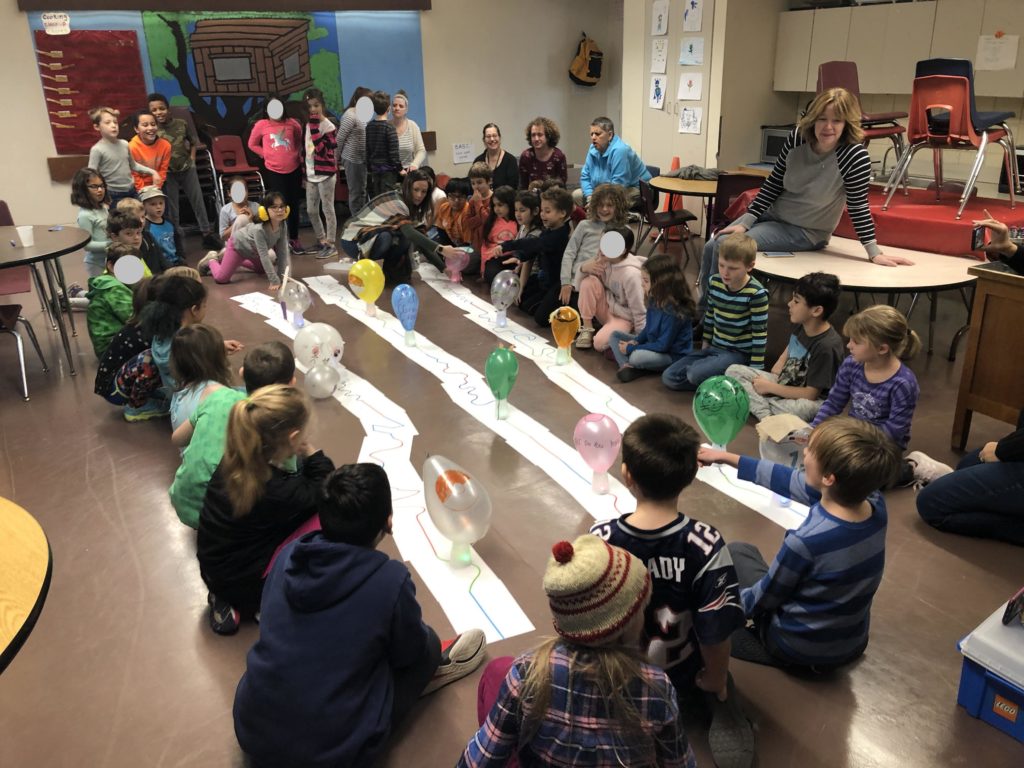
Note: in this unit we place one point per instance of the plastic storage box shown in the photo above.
(992, 678)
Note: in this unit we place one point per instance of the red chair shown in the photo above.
(731, 186)
(876, 125)
(229, 159)
(950, 97)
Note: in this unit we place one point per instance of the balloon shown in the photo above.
(295, 296)
(319, 343)
(406, 304)
(565, 324)
(597, 438)
(366, 279)
(129, 269)
(504, 290)
(458, 505)
(721, 407)
(456, 263)
(501, 371)
(321, 380)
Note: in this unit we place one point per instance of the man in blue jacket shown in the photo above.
(610, 160)
(343, 653)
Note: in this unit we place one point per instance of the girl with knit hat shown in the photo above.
(585, 697)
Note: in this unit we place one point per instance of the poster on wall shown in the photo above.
(692, 14)
(657, 97)
(691, 84)
(996, 52)
(689, 119)
(659, 17)
(691, 51)
(659, 55)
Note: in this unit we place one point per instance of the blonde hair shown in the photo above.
(616, 195)
(882, 324)
(738, 247)
(846, 108)
(97, 114)
(183, 270)
(259, 430)
(860, 456)
(130, 205)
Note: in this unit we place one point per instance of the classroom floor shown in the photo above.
(123, 670)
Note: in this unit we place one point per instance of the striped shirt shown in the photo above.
(577, 728)
(351, 137)
(816, 596)
(808, 190)
(738, 320)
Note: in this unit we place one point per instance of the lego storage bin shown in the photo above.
(992, 678)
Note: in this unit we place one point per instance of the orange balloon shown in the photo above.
(565, 324)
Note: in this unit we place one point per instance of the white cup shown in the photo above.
(26, 236)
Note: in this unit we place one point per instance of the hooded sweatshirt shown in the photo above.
(624, 289)
(110, 306)
(318, 687)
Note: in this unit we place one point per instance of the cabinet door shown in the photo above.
(908, 39)
(828, 41)
(956, 30)
(792, 50)
(866, 46)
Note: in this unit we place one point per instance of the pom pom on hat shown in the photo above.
(563, 552)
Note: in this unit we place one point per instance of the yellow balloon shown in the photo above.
(565, 324)
(366, 279)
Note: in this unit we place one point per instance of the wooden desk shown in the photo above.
(671, 185)
(991, 382)
(25, 567)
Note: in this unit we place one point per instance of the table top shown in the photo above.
(848, 261)
(49, 243)
(695, 187)
(25, 565)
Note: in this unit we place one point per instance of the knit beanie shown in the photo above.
(594, 589)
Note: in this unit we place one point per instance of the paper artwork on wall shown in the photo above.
(659, 55)
(463, 152)
(657, 96)
(996, 52)
(689, 119)
(690, 86)
(691, 51)
(659, 17)
(692, 15)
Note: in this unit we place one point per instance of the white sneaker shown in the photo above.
(204, 263)
(926, 468)
(586, 338)
(465, 654)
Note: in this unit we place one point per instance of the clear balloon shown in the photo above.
(597, 439)
(406, 305)
(458, 505)
(321, 380)
(295, 296)
(319, 343)
(565, 324)
(504, 290)
(366, 279)
(501, 370)
(721, 407)
(456, 262)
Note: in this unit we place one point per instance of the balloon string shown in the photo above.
(472, 583)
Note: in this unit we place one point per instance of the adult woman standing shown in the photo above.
(542, 159)
(822, 168)
(410, 141)
(352, 151)
(504, 168)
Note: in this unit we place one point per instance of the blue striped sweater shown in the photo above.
(738, 320)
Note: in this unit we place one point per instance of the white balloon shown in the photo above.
(275, 109)
(239, 192)
(321, 381)
(129, 269)
(295, 296)
(613, 244)
(458, 505)
(364, 109)
(318, 342)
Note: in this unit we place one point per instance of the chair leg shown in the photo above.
(35, 342)
(937, 166)
(1013, 164)
(661, 234)
(902, 168)
(42, 295)
(972, 178)
(21, 359)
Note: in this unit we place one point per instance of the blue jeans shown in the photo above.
(687, 373)
(117, 196)
(769, 236)
(638, 358)
(978, 499)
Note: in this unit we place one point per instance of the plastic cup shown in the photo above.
(27, 236)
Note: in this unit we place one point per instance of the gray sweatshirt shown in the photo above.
(114, 162)
(256, 239)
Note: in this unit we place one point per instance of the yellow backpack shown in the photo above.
(585, 68)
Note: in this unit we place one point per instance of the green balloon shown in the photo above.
(501, 370)
(721, 407)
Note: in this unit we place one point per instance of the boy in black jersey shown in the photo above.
(695, 604)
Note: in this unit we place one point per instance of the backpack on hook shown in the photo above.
(585, 68)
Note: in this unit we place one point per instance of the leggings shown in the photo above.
(231, 260)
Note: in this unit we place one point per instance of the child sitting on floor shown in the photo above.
(479, 203)
(110, 301)
(133, 211)
(608, 210)
(261, 245)
(313, 666)
(585, 697)
(450, 214)
(500, 227)
(611, 292)
(126, 344)
(199, 364)
(811, 608)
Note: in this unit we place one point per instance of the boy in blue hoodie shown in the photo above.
(343, 653)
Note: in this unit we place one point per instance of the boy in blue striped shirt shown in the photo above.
(735, 323)
(811, 608)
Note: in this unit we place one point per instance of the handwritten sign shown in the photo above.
(463, 152)
(56, 23)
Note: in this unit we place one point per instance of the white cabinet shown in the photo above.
(828, 41)
(792, 50)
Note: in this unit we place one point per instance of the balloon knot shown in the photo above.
(563, 552)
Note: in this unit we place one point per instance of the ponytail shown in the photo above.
(910, 347)
(169, 297)
(258, 430)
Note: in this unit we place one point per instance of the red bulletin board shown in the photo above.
(83, 70)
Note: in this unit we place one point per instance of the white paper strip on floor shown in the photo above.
(472, 596)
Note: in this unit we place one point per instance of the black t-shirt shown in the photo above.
(813, 360)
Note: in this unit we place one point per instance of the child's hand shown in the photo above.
(513, 262)
(305, 449)
(708, 456)
(157, 181)
(800, 438)
(231, 346)
(565, 294)
(717, 686)
(763, 385)
(988, 453)
(274, 289)
(624, 347)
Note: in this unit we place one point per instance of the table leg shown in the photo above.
(51, 280)
(707, 218)
(961, 428)
(969, 304)
(42, 296)
(64, 288)
(934, 298)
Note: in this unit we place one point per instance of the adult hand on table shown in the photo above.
(890, 261)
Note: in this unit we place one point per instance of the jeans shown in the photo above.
(769, 236)
(117, 196)
(638, 358)
(355, 178)
(687, 373)
(320, 196)
(981, 499)
(187, 180)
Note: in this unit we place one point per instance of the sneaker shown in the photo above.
(629, 373)
(204, 263)
(152, 409)
(75, 291)
(586, 338)
(925, 468)
(224, 619)
(296, 247)
(211, 241)
(463, 654)
(327, 251)
(731, 735)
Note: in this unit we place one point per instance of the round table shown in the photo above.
(50, 244)
(25, 567)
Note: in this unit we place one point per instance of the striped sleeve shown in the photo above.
(772, 186)
(784, 576)
(739, 321)
(855, 168)
(758, 326)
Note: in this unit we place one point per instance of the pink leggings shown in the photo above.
(231, 260)
(487, 692)
(594, 304)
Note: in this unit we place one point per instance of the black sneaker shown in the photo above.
(224, 619)
(731, 735)
(629, 373)
(465, 654)
(212, 242)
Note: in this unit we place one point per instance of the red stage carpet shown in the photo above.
(923, 223)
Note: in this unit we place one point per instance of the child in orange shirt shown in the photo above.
(450, 214)
(148, 149)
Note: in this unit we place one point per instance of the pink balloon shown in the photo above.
(456, 264)
(598, 440)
